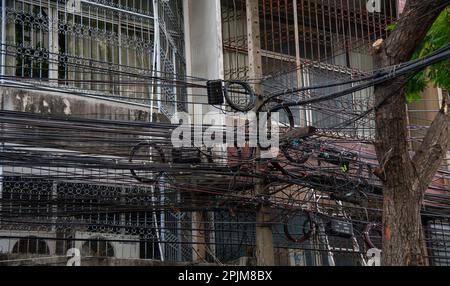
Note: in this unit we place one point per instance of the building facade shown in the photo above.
(144, 61)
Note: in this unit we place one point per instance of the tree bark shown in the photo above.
(406, 180)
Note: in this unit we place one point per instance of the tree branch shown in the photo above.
(411, 29)
(399, 47)
(434, 147)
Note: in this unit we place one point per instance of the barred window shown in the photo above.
(31, 245)
(27, 36)
(24, 198)
(98, 47)
(439, 242)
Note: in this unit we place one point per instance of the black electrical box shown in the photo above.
(186, 156)
(330, 158)
(340, 228)
(341, 161)
(215, 92)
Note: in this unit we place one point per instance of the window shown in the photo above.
(24, 198)
(98, 53)
(104, 48)
(97, 247)
(27, 40)
(31, 245)
(439, 242)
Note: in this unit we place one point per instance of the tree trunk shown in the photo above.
(402, 244)
(402, 199)
(405, 180)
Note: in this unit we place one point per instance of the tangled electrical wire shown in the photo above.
(321, 184)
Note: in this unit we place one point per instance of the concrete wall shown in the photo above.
(61, 104)
(68, 105)
(204, 52)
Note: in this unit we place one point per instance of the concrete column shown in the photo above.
(3, 40)
(1, 144)
(303, 122)
(54, 206)
(198, 232)
(53, 47)
(264, 236)
(204, 50)
(204, 59)
(156, 51)
(198, 237)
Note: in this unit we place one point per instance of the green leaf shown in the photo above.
(437, 74)
(391, 26)
(416, 85)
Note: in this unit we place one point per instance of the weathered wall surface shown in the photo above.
(67, 105)
(61, 104)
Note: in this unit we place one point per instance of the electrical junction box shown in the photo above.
(340, 228)
(186, 156)
(215, 92)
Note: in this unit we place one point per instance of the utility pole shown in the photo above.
(264, 236)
